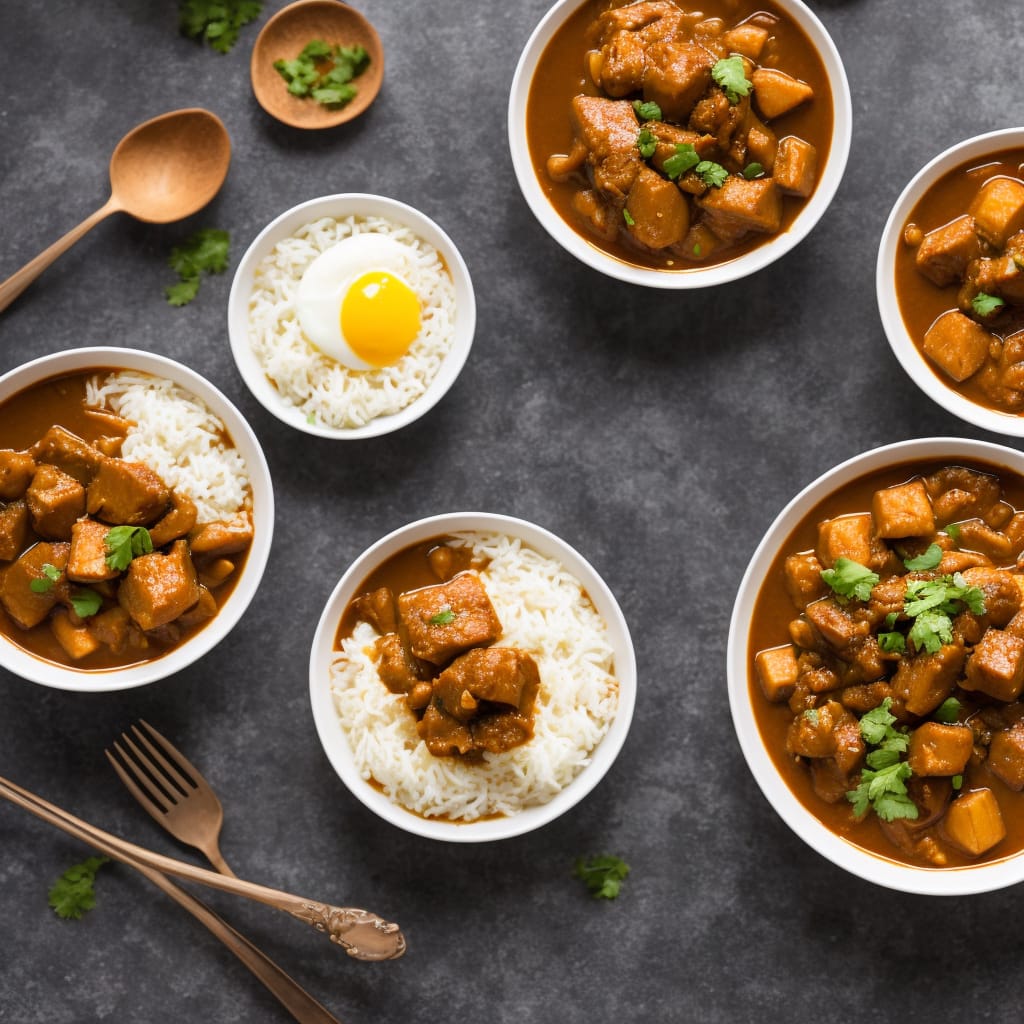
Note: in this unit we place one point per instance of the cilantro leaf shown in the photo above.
(714, 175)
(205, 251)
(123, 543)
(647, 110)
(216, 22)
(86, 602)
(885, 791)
(730, 73)
(892, 643)
(44, 584)
(443, 618)
(926, 561)
(876, 723)
(985, 305)
(647, 143)
(948, 711)
(931, 629)
(850, 579)
(628, 217)
(684, 159)
(753, 170)
(323, 72)
(931, 603)
(182, 293)
(73, 894)
(602, 875)
(334, 96)
(953, 530)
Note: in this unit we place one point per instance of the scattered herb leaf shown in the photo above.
(697, 249)
(324, 72)
(985, 305)
(602, 875)
(685, 158)
(931, 603)
(206, 250)
(890, 619)
(124, 543)
(216, 21)
(892, 643)
(44, 584)
(730, 73)
(73, 894)
(86, 602)
(882, 785)
(925, 561)
(948, 711)
(712, 174)
(958, 781)
(953, 530)
(647, 143)
(753, 170)
(850, 579)
(628, 217)
(647, 110)
(443, 617)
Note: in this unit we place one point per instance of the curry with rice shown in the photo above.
(886, 662)
(674, 138)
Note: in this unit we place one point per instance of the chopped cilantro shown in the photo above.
(647, 143)
(985, 305)
(948, 711)
(850, 579)
(309, 73)
(44, 584)
(73, 894)
(753, 170)
(928, 560)
(86, 602)
(712, 174)
(697, 249)
(602, 875)
(685, 158)
(953, 531)
(931, 603)
(892, 643)
(730, 73)
(958, 781)
(647, 110)
(206, 250)
(627, 217)
(890, 619)
(216, 21)
(443, 618)
(124, 543)
(882, 785)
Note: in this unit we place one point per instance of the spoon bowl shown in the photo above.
(163, 170)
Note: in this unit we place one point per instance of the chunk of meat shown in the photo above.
(937, 749)
(444, 735)
(378, 608)
(14, 530)
(502, 731)
(25, 606)
(836, 625)
(622, 63)
(157, 588)
(87, 562)
(777, 672)
(924, 681)
(957, 344)
(179, 519)
(656, 18)
(605, 126)
(499, 675)
(657, 209)
(777, 93)
(114, 627)
(845, 537)
(945, 251)
(396, 669)
(795, 169)
(223, 537)
(740, 206)
(803, 579)
(996, 666)
(1001, 591)
(1006, 756)
(714, 115)
(676, 75)
(449, 618)
(55, 501)
(958, 492)
(902, 511)
(127, 493)
(16, 472)
(69, 453)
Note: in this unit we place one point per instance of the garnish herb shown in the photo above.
(324, 72)
(892, 643)
(953, 531)
(985, 305)
(45, 583)
(958, 781)
(928, 560)
(684, 159)
(811, 714)
(850, 579)
(931, 603)
(730, 73)
(647, 143)
(86, 602)
(647, 110)
(628, 217)
(712, 174)
(124, 543)
(602, 875)
(206, 250)
(697, 249)
(890, 619)
(443, 617)
(948, 711)
(753, 170)
(73, 894)
(216, 21)
(882, 787)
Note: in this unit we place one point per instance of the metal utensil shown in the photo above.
(363, 935)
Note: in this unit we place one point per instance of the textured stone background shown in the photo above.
(658, 433)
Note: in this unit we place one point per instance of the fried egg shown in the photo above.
(355, 304)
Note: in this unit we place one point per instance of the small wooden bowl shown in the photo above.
(285, 35)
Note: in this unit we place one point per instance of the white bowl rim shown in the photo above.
(926, 376)
(871, 867)
(344, 204)
(706, 277)
(36, 670)
(335, 743)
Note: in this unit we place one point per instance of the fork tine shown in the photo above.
(152, 806)
(185, 785)
(172, 751)
(147, 774)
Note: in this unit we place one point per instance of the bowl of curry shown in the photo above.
(876, 666)
(136, 514)
(950, 280)
(673, 146)
(471, 677)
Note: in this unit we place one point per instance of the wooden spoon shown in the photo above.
(283, 38)
(163, 170)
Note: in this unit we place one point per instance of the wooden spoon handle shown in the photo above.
(362, 934)
(21, 279)
(292, 996)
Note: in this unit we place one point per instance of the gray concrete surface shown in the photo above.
(658, 433)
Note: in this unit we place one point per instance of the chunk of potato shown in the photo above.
(777, 93)
(747, 40)
(777, 672)
(998, 210)
(996, 666)
(903, 511)
(926, 680)
(845, 537)
(974, 823)
(796, 166)
(957, 344)
(945, 251)
(937, 749)
(1006, 756)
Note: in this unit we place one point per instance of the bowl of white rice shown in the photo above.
(552, 605)
(296, 380)
(190, 434)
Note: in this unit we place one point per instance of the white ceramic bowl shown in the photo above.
(699, 277)
(873, 868)
(920, 370)
(338, 206)
(336, 745)
(60, 677)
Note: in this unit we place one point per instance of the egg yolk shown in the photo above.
(380, 317)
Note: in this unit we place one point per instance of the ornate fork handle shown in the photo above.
(362, 934)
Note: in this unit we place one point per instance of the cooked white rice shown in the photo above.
(545, 612)
(326, 392)
(176, 435)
